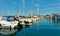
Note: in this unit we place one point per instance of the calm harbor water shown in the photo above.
(46, 27)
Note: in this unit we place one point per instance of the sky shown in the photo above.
(26, 7)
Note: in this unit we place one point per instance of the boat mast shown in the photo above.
(23, 7)
(37, 7)
(18, 9)
(2, 11)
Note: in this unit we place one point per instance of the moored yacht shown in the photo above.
(8, 21)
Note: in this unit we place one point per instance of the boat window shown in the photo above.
(11, 19)
(4, 18)
(8, 18)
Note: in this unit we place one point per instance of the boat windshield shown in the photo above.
(8, 18)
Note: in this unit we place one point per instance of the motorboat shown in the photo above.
(28, 20)
(8, 22)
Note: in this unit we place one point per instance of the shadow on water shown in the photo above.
(11, 32)
(21, 26)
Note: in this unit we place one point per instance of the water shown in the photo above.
(46, 27)
(7, 32)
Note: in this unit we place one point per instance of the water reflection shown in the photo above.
(11, 32)
(55, 21)
(49, 27)
(5, 32)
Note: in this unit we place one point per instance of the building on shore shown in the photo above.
(55, 16)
